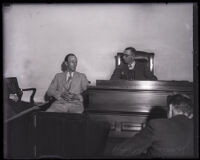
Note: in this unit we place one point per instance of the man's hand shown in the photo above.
(68, 96)
(14, 97)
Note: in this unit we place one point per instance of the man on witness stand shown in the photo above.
(67, 87)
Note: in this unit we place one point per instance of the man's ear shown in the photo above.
(66, 63)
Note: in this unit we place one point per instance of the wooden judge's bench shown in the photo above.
(125, 105)
(128, 105)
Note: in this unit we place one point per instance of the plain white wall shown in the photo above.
(37, 38)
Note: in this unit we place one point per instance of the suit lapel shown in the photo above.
(74, 77)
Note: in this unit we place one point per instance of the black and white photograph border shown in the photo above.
(36, 37)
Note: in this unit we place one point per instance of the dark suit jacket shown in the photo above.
(11, 107)
(140, 72)
(161, 138)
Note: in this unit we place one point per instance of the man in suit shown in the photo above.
(12, 99)
(10, 104)
(164, 138)
(132, 69)
(67, 87)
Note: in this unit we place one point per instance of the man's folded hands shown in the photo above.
(68, 96)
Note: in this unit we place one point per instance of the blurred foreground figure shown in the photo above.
(164, 138)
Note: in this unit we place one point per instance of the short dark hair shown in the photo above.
(181, 102)
(68, 55)
(131, 49)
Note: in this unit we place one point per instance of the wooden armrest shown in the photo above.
(29, 89)
(47, 104)
(22, 113)
(32, 95)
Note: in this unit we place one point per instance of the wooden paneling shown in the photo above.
(144, 85)
(44, 135)
(69, 135)
(129, 124)
(128, 105)
(127, 101)
(19, 138)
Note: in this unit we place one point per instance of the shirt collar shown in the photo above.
(68, 75)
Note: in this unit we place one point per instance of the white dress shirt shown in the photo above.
(68, 75)
(131, 65)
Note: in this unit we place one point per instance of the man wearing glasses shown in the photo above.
(132, 69)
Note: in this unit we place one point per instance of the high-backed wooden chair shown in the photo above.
(149, 57)
(11, 87)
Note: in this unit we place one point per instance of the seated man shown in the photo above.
(163, 138)
(13, 104)
(10, 104)
(132, 69)
(67, 87)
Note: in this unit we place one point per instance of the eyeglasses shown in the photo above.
(126, 55)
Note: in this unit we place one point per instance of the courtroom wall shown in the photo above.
(37, 37)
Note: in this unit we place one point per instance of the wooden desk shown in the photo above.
(128, 105)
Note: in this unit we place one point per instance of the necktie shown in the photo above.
(131, 74)
(68, 83)
(70, 77)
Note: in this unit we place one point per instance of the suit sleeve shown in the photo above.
(84, 83)
(116, 74)
(148, 74)
(135, 145)
(53, 88)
